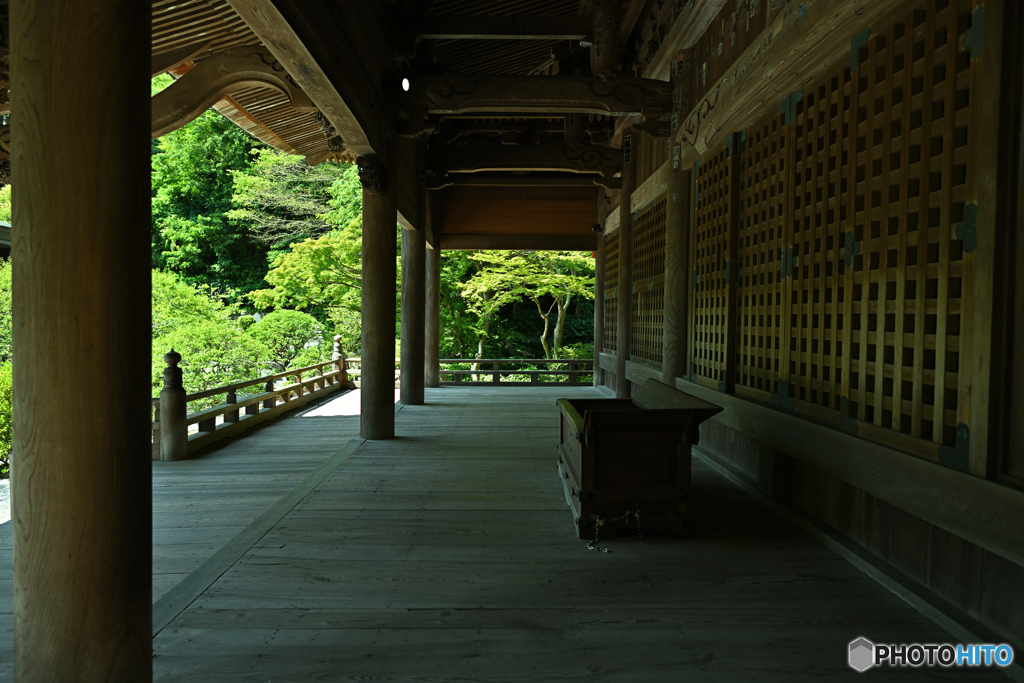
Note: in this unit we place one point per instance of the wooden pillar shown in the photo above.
(677, 284)
(413, 330)
(625, 283)
(81, 469)
(599, 292)
(380, 221)
(432, 347)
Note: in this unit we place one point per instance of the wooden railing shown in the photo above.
(178, 433)
(354, 366)
(510, 371)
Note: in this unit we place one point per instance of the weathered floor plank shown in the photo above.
(448, 554)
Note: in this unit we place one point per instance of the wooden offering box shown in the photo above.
(629, 455)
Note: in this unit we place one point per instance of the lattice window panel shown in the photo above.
(821, 180)
(648, 285)
(911, 104)
(611, 280)
(710, 249)
(763, 238)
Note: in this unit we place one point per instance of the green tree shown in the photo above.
(192, 193)
(503, 278)
(214, 348)
(6, 308)
(280, 199)
(285, 334)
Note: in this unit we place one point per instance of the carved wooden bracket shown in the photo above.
(222, 74)
(538, 94)
(691, 127)
(373, 174)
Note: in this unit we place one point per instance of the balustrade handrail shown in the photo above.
(538, 361)
(228, 388)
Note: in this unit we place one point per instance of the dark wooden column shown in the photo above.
(432, 347)
(625, 284)
(380, 221)
(599, 292)
(414, 245)
(677, 284)
(81, 468)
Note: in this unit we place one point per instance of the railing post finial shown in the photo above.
(173, 411)
(172, 373)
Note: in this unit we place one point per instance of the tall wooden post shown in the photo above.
(599, 292)
(81, 468)
(413, 311)
(677, 284)
(625, 284)
(432, 348)
(380, 221)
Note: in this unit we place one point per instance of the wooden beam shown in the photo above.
(503, 27)
(518, 212)
(790, 54)
(165, 61)
(471, 158)
(197, 90)
(687, 29)
(537, 94)
(346, 96)
(478, 180)
(81, 477)
(535, 242)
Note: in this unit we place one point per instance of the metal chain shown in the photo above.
(597, 528)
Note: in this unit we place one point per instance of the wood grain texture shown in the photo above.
(80, 480)
(346, 110)
(624, 288)
(990, 514)
(677, 280)
(538, 242)
(413, 329)
(441, 573)
(480, 216)
(377, 381)
(432, 344)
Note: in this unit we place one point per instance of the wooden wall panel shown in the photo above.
(713, 232)
(611, 278)
(857, 217)
(648, 285)
(762, 311)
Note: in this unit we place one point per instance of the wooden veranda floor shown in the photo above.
(448, 554)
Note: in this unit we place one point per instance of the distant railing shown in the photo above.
(510, 371)
(355, 370)
(173, 435)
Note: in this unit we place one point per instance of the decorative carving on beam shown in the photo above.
(471, 158)
(538, 94)
(503, 27)
(335, 142)
(373, 174)
(657, 129)
(165, 61)
(222, 74)
(692, 125)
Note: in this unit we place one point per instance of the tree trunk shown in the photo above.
(480, 342)
(547, 327)
(563, 308)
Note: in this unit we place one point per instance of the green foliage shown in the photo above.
(285, 334)
(192, 193)
(6, 307)
(6, 415)
(214, 347)
(280, 199)
(503, 278)
(5, 204)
